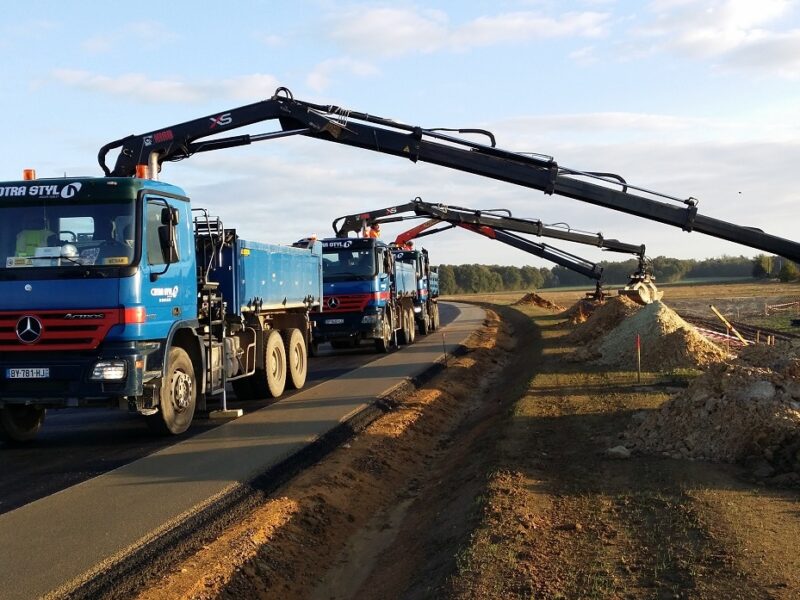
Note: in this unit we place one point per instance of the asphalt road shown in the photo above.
(78, 444)
(65, 541)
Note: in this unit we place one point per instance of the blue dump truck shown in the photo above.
(368, 295)
(426, 295)
(112, 293)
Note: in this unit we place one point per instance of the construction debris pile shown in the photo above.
(747, 410)
(534, 299)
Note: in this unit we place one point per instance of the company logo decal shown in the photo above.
(165, 294)
(29, 330)
(337, 244)
(71, 189)
(51, 190)
(333, 302)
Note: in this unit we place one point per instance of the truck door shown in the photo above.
(169, 285)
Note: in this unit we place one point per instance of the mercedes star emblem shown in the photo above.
(333, 302)
(29, 330)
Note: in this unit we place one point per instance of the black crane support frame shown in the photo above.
(369, 132)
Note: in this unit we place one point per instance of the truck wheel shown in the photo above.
(384, 343)
(272, 380)
(296, 359)
(435, 317)
(403, 336)
(425, 324)
(177, 397)
(19, 424)
(412, 326)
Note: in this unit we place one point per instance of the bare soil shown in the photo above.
(495, 481)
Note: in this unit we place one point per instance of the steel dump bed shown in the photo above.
(270, 275)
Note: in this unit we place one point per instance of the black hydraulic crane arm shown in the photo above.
(500, 219)
(550, 253)
(362, 130)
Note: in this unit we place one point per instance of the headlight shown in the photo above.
(417, 309)
(109, 370)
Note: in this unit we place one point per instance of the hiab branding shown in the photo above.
(41, 191)
(223, 119)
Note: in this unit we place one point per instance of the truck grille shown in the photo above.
(351, 302)
(56, 329)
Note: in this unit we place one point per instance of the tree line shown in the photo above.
(455, 279)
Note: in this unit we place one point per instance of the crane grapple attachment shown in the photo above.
(641, 288)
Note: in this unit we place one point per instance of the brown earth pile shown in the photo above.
(581, 311)
(535, 299)
(667, 342)
(604, 318)
(746, 410)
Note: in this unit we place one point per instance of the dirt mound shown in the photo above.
(667, 342)
(603, 318)
(581, 311)
(534, 299)
(734, 412)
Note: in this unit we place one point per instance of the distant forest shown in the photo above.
(455, 279)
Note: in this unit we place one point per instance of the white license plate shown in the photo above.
(29, 373)
(334, 321)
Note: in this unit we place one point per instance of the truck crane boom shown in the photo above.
(546, 251)
(497, 224)
(431, 145)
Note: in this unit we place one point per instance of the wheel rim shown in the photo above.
(276, 364)
(181, 391)
(297, 357)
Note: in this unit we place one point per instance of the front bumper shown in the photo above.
(68, 381)
(331, 326)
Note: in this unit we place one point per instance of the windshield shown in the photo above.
(348, 264)
(63, 234)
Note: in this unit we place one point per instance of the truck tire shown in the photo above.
(412, 325)
(403, 336)
(270, 380)
(20, 424)
(177, 396)
(384, 343)
(435, 317)
(425, 324)
(296, 358)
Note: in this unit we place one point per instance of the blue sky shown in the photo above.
(685, 97)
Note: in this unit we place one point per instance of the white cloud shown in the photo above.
(138, 86)
(739, 34)
(398, 31)
(320, 76)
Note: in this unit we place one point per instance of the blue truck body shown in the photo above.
(367, 294)
(274, 275)
(426, 287)
(111, 293)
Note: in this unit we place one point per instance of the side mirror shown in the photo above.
(170, 216)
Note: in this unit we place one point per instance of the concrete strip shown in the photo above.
(67, 536)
